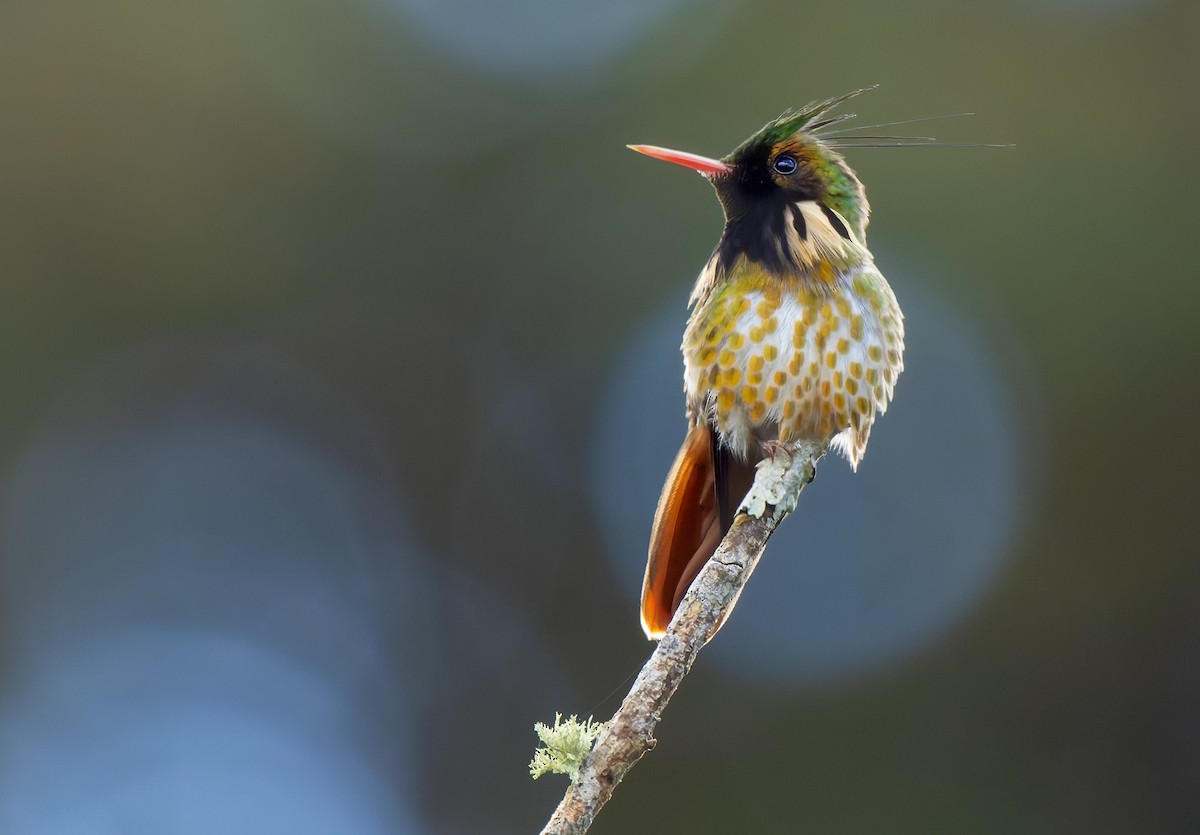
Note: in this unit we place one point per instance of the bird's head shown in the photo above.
(788, 196)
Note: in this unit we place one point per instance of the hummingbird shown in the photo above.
(794, 334)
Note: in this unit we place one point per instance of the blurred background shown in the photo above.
(340, 375)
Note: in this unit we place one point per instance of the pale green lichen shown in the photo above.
(565, 746)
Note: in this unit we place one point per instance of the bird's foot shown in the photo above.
(784, 471)
(774, 447)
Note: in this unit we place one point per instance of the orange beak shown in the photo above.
(704, 165)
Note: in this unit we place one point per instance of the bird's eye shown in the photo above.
(785, 164)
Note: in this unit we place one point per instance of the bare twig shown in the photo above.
(630, 733)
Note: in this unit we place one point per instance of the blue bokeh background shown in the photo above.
(340, 372)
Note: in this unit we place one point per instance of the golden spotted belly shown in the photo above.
(773, 362)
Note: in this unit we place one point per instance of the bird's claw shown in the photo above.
(781, 475)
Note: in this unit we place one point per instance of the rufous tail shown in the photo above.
(695, 511)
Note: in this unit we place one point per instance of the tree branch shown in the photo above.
(630, 733)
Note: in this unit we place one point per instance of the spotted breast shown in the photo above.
(794, 360)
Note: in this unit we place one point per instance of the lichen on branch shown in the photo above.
(565, 746)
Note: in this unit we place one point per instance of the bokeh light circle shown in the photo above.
(872, 566)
